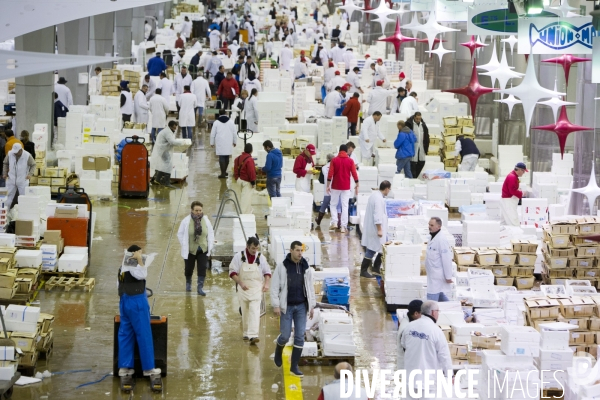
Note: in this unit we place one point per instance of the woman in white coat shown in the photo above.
(196, 237)
(252, 111)
(238, 109)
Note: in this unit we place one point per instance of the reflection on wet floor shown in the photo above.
(207, 358)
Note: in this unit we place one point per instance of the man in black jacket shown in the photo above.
(418, 126)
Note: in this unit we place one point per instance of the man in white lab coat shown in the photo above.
(333, 101)
(151, 86)
(381, 73)
(159, 107)
(426, 349)
(201, 89)
(167, 87)
(375, 228)
(409, 105)
(147, 30)
(369, 132)
(215, 37)
(337, 53)
(438, 263)
(285, 58)
(337, 80)
(378, 98)
(187, 120)
(223, 138)
(182, 80)
(162, 155)
(98, 89)
(140, 106)
(413, 313)
(349, 59)
(18, 167)
(63, 92)
(186, 28)
(353, 79)
(300, 68)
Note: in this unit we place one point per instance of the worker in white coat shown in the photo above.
(349, 59)
(162, 155)
(375, 228)
(18, 167)
(409, 105)
(186, 28)
(285, 58)
(238, 110)
(413, 313)
(378, 98)
(215, 37)
(251, 107)
(187, 119)
(182, 79)
(426, 349)
(252, 275)
(252, 82)
(337, 80)
(381, 73)
(140, 106)
(151, 83)
(328, 76)
(223, 138)
(511, 194)
(369, 132)
(201, 89)
(353, 79)
(333, 101)
(63, 92)
(300, 68)
(167, 87)
(438, 263)
(159, 107)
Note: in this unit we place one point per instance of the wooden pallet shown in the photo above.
(68, 283)
(178, 180)
(326, 360)
(47, 275)
(553, 393)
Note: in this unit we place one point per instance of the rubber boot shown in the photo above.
(364, 267)
(188, 283)
(296, 353)
(165, 180)
(339, 220)
(376, 269)
(154, 180)
(222, 166)
(319, 218)
(201, 285)
(278, 354)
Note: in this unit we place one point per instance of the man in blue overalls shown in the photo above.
(135, 319)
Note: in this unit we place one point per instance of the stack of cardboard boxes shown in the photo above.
(134, 80)
(53, 177)
(454, 127)
(111, 80)
(96, 175)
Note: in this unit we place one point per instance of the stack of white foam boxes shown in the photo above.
(459, 194)
(386, 172)
(39, 137)
(514, 306)
(302, 204)
(555, 353)
(282, 242)
(481, 233)
(318, 190)
(508, 157)
(271, 110)
(500, 373)
(436, 190)
(339, 131)
(534, 212)
(402, 263)
(49, 257)
(249, 224)
(367, 177)
(29, 210)
(74, 259)
(95, 182)
(180, 168)
(280, 217)
(324, 132)
(335, 332)
(562, 165)
(44, 197)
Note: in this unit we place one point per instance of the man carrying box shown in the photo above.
(18, 167)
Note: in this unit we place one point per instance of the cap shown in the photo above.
(415, 305)
(124, 84)
(16, 147)
(401, 75)
(379, 60)
(302, 52)
(346, 86)
(367, 56)
(311, 149)
(331, 63)
(337, 72)
(379, 83)
(133, 248)
(522, 166)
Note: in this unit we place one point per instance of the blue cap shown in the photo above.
(522, 166)
(124, 84)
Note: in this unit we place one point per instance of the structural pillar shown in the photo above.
(137, 24)
(34, 93)
(102, 29)
(73, 38)
(123, 24)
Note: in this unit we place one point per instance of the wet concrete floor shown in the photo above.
(207, 358)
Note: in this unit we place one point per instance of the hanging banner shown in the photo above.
(493, 18)
(556, 35)
(451, 11)
(596, 60)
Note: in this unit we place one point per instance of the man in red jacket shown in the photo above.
(244, 172)
(338, 185)
(351, 112)
(228, 90)
(511, 195)
(303, 177)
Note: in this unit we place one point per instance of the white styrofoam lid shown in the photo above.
(558, 326)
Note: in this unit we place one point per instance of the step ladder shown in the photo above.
(229, 196)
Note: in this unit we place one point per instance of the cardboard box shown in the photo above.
(486, 257)
(24, 227)
(587, 273)
(483, 341)
(66, 212)
(582, 262)
(542, 308)
(577, 307)
(464, 255)
(458, 351)
(24, 285)
(527, 260)
(102, 163)
(26, 341)
(8, 293)
(556, 262)
(45, 322)
(29, 359)
(506, 257)
(505, 281)
(53, 236)
(559, 252)
(7, 279)
(519, 271)
(559, 241)
(498, 270)
(474, 356)
(581, 323)
(587, 251)
(577, 338)
(564, 228)
(524, 283)
(524, 246)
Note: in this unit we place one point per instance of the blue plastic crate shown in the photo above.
(337, 290)
(343, 300)
(336, 281)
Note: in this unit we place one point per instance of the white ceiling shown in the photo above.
(23, 16)
(15, 64)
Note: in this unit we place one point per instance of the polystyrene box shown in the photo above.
(72, 263)
(7, 239)
(28, 258)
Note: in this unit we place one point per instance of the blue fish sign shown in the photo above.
(561, 35)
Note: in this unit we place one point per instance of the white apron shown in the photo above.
(303, 184)
(509, 211)
(251, 276)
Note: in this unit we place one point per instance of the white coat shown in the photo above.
(180, 82)
(237, 110)
(300, 69)
(151, 88)
(248, 26)
(438, 264)
(333, 101)
(269, 48)
(18, 170)
(245, 70)
(399, 349)
(140, 108)
(64, 94)
(127, 108)
(328, 76)
(201, 89)
(147, 31)
(285, 58)
(336, 81)
(223, 136)
(162, 153)
(425, 347)
(370, 131)
(395, 107)
(159, 107)
(252, 113)
(324, 56)
(409, 106)
(378, 99)
(252, 84)
(167, 88)
(214, 37)
(205, 58)
(375, 214)
(353, 79)
(183, 235)
(349, 59)
(234, 49)
(337, 54)
(187, 109)
(186, 29)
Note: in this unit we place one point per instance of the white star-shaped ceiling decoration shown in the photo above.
(494, 63)
(565, 9)
(413, 25)
(479, 42)
(591, 190)
(382, 11)
(440, 51)
(350, 7)
(530, 92)
(511, 40)
(510, 101)
(432, 29)
(503, 73)
(556, 103)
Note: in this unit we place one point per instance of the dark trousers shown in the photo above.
(200, 259)
(125, 118)
(352, 129)
(223, 163)
(226, 103)
(177, 105)
(416, 168)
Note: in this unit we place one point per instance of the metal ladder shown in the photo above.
(229, 196)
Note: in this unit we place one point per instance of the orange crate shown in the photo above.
(73, 230)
